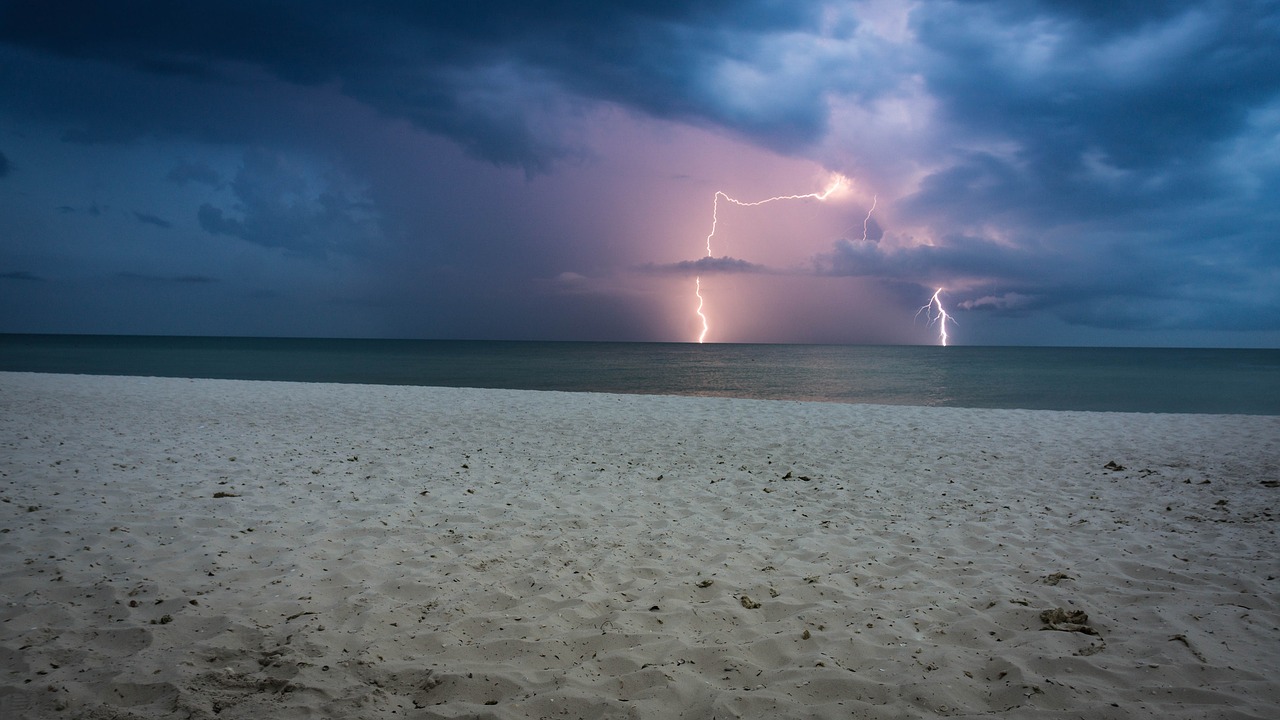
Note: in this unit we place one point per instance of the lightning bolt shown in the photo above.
(867, 220)
(697, 290)
(941, 317)
(838, 182)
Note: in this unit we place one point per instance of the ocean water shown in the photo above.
(1104, 379)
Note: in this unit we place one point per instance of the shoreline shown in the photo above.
(1159, 380)
(235, 549)
(669, 395)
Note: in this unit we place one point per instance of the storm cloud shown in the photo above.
(428, 168)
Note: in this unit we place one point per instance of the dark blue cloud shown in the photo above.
(281, 205)
(470, 72)
(1125, 286)
(960, 257)
(1140, 85)
(1096, 172)
(1136, 92)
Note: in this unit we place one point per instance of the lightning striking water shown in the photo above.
(697, 290)
(838, 183)
(941, 317)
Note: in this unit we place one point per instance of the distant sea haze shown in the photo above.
(1099, 379)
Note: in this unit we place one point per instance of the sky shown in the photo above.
(1067, 173)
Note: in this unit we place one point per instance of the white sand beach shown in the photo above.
(223, 549)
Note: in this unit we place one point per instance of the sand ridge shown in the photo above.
(200, 548)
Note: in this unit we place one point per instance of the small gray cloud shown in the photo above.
(168, 279)
(1006, 301)
(150, 219)
(185, 172)
(93, 209)
(706, 266)
(100, 135)
(20, 275)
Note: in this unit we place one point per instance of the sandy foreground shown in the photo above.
(201, 548)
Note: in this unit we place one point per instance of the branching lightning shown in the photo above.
(941, 317)
(838, 183)
(933, 310)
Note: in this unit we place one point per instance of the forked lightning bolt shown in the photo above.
(839, 182)
(941, 317)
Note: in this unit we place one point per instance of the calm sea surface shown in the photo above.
(1117, 379)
